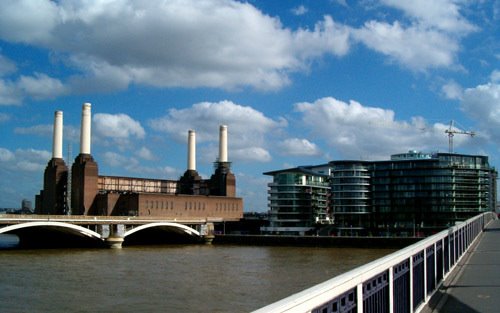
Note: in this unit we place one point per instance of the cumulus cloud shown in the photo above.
(220, 44)
(6, 66)
(6, 155)
(452, 90)
(247, 127)
(145, 153)
(442, 15)
(20, 171)
(9, 93)
(357, 131)
(26, 160)
(120, 128)
(38, 87)
(299, 147)
(482, 104)
(415, 47)
(109, 45)
(431, 38)
(41, 86)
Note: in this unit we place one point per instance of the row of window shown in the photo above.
(165, 205)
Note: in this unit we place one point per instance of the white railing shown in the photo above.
(402, 281)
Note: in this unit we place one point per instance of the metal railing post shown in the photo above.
(359, 298)
(391, 289)
(411, 283)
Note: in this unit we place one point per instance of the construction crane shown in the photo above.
(452, 131)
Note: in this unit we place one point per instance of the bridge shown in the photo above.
(456, 270)
(110, 231)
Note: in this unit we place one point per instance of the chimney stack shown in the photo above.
(223, 144)
(57, 135)
(85, 129)
(191, 165)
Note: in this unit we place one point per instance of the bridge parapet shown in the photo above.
(403, 281)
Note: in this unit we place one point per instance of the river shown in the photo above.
(167, 278)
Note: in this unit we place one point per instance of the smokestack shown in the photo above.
(191, 166)
(223, 143)
(57, 141)
(85, 129)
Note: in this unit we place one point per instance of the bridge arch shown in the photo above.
(52, 234)
(179, 228)
(69, 228)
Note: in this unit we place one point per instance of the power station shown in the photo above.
(81, 190)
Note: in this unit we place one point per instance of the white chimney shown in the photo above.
(223, 143)
(85, 130)
(191, 150)
(57, 141)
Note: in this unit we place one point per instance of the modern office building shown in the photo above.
(298, 200)
(79, 189)
(412, 194)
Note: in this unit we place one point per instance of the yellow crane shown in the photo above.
(452, 131)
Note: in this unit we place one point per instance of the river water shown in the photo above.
(167, 278)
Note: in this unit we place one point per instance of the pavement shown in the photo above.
(474, 285)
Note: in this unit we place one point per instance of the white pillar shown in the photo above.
(85, 129)
(223, 143)
(191, 150)
(57, 135)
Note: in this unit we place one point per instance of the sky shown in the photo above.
(296, 82)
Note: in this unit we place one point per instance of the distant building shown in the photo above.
(298, 200)
(26, 207)
(81, 190)
(412, 194)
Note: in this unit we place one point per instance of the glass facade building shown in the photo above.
(412, 194)
(298, 200)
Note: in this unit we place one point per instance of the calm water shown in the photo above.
(188, 278)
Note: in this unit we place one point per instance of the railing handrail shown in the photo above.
(311, 298)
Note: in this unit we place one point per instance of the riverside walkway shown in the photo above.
(474, 285)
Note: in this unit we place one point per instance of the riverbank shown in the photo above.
(317, 241)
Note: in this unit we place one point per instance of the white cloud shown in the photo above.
(41, 86)
(414, 47)
(482, 104)
(357, 131)
(443, 15)
(251, 154)
(495, 76)
(145, 153)
(300, 10)
(6, 66)
(299, 147)
(452, 90)
(6, 155)
(38, 87)
(247, 127)
(328, 37)
(219, 44)
(430, 39)
(9, 94)
(25, 160)
(117, 126)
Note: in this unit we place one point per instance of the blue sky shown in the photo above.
(297, 83)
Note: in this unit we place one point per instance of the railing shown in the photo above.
(397, 283)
